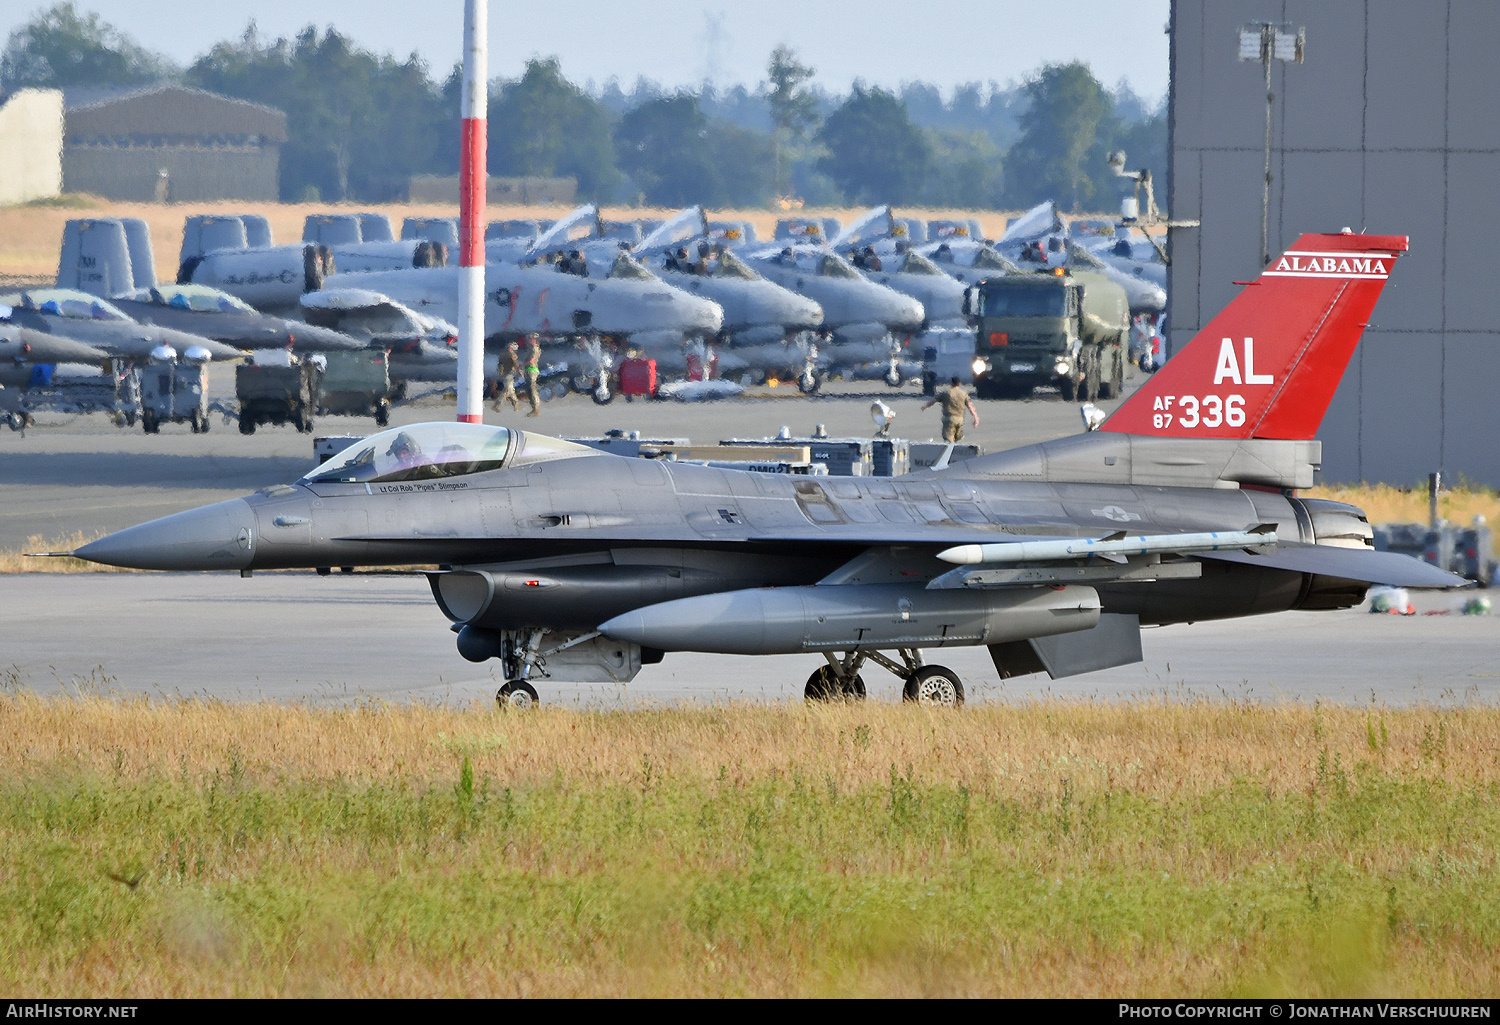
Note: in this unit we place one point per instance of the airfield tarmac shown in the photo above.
(296, 636)
(300, 637)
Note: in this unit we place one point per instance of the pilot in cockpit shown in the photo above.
(405, 451)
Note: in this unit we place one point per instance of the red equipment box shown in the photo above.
(638, 377)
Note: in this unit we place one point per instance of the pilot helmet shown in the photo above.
(402, 445)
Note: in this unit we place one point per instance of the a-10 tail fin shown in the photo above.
(1267, 366)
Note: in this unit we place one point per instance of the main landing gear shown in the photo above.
(520, 662)
(839, 680)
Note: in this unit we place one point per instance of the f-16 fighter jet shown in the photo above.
(21, 350)
(567, 563)
(214, 313)
(87, 318)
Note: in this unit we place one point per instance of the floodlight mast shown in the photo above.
(473, 176)
(1268, 41)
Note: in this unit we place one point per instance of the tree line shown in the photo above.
(360, 124)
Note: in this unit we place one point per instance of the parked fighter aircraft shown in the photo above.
(562, 561)
(22, 349)
(967, 260)
(879, 245)
(421, 348)
(1143, 296)
(214, 313)
(757, 312)
(855, 309)
(87, 318)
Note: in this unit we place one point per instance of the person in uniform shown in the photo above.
(955, 400)
(510, 366)
(533, 371)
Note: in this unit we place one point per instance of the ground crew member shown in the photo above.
(955, 400)
(533, 371)
(510, 366)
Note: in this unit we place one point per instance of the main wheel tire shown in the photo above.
(1112, 388)
(822, 685)
(808, 382)
(247, 425)
(382, 413)
(934, 685)
(602, 396)
(517, 694)
(929, 383)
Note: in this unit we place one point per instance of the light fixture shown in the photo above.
(1268, 41)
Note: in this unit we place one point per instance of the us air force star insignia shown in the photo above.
(1115, 514)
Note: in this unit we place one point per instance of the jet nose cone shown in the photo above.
(315, 338)
(182, 341)
(906, 312)
(219, 536)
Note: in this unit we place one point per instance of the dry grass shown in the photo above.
(20, 562)
(31, 235)
(182, 849)
(1384, 503)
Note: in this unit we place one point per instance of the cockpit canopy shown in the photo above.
(191, 297)
(435, 451)
(66, 302)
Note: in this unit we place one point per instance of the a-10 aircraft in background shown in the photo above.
(563, 562)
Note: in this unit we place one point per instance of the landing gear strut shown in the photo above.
(923, 684)
(520, 663)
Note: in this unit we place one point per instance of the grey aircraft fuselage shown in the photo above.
(521, 300)
(22, 348)
(577, 538)
(855, 308)
(122, 338)
(941, 296)
(240, 328)
(756, 310)
(967, 261)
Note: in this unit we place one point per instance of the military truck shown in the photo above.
(357, 384)
(271, 393)
(1059, 327)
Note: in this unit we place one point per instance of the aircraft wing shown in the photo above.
(345, 300)
(1362, 564)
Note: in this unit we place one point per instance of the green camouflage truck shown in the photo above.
(1065, 328)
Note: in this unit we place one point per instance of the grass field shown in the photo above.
(155, 849)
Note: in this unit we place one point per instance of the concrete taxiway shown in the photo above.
(328, 640)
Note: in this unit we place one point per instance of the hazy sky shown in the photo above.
(885, 42)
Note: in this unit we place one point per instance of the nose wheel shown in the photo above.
(517, 694)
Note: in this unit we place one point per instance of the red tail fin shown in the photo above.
(1268, 364)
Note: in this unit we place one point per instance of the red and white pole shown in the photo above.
(473, 175)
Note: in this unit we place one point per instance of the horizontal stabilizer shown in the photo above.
(1362, 564)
